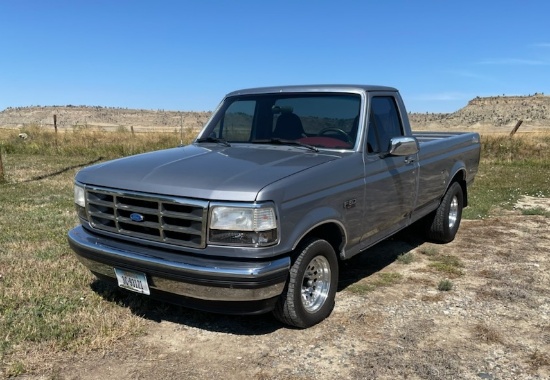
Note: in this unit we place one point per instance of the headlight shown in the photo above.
(79, 197)
(80, 201)
(254, 225)
(242, 218)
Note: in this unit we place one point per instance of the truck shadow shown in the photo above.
(160, 311)
(378, 257)
(63, 170)
(359, 267)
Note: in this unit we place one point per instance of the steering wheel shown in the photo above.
(340, 132)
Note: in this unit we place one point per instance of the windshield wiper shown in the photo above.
(214, 140)
(277, 141)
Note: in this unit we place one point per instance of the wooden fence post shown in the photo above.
(55, 127)
(2, 178)
(181, 130)
(516, 128)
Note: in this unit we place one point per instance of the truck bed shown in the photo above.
(440, 154)
(446, 144)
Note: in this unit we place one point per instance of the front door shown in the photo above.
(390, 181)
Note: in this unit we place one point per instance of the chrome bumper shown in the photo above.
(181, 274)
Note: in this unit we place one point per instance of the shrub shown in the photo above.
(445, 285)
(405, 258)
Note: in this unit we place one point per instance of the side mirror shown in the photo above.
(403, 146)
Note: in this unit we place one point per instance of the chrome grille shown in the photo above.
(176, 221)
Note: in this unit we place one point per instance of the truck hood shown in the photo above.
(234, 173)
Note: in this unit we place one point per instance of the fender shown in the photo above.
(314, 219)
(458, 169)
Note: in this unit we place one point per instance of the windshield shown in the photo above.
(328, 120)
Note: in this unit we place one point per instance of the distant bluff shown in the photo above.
(497, 112)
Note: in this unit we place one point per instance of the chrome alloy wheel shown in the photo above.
(453, 212)
(315, 284)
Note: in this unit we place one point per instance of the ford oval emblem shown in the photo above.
(136, 217)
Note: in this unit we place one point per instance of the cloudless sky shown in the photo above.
(186, 55)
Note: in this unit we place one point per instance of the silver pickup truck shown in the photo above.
(280, 186)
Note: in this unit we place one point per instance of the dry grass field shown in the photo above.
(477, 308)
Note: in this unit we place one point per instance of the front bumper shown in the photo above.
(200, 278)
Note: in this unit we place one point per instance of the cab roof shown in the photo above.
(312, 88)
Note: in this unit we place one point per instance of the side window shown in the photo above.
(372, 136)
(384, 123)
(236, 124)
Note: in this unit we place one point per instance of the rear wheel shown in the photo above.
(309, 295)
(443, 224)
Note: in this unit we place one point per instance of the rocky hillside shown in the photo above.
(495, 113)
(500, 112)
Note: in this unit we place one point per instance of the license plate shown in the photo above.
(134, 281)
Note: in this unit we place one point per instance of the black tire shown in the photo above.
(309, 294)
(442, 225)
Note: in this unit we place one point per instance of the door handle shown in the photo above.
(409, 160)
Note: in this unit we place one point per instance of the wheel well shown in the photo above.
(330, 232)
(460, 178)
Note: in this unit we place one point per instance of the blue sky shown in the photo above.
(185, 55)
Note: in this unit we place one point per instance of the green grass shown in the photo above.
(405, 258)
(46, 304)
(447, 264)
(536, 211)
(510, 168)
(383, 279)
(501, 184)
(429, 250)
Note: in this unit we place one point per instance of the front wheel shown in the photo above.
(443, 224)
(309, 295)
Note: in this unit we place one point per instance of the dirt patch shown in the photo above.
(533, 203)
(493, 324)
